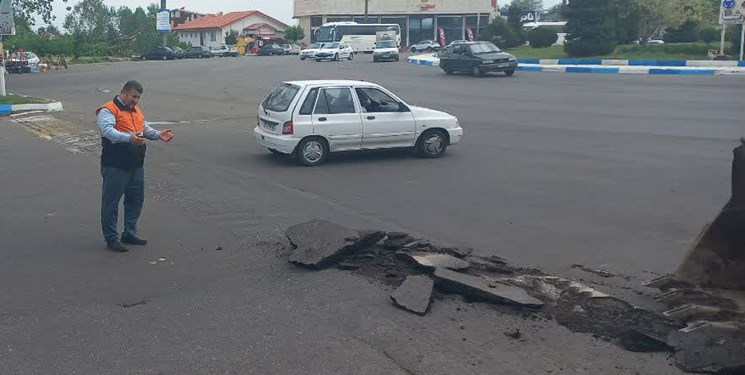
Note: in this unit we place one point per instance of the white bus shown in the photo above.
(360, 36)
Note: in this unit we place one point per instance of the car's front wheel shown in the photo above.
(477, 71)
(412, 49)
(336, 57)
(509, 73)
(432, 144)
(311, 152)
(448, 72)
(351, 56)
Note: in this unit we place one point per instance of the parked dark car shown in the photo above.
(198, 52)
(271, 50)
(178, 52)
(477, 58)
(159, 53)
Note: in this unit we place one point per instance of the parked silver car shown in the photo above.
(425, 45)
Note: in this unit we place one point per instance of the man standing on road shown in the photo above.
(123, 136)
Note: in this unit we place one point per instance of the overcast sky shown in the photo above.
(280, 9)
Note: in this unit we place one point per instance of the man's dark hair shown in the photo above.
(132, 85)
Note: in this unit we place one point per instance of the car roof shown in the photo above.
(332, 82)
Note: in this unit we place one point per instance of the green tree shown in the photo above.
(92, 21)
(127, 24)
(294, 33)
(502, 34)
(542, 36)
(26, 9)
(527, 4)
(590, 28)
(231, 37)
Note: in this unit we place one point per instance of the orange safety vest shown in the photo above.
(126, 121)
(124, 155)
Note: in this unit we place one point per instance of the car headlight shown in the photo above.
(513, 59)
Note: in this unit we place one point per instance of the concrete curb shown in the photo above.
(623, 66)
(622, 62)
(6, 109)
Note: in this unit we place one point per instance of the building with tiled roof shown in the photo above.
(209, 30)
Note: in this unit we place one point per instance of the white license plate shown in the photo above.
(503, 65)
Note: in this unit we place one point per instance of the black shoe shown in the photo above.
(133, 240)
(116, 246)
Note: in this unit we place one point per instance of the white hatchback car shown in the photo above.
(334, 51)
(310, 119)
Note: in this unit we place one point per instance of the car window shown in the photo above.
(310, 101)
(375, 100)
(335, 101)
(280, 98)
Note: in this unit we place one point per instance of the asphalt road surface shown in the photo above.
(612, 172)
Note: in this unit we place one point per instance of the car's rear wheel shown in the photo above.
(311, 152)
(429, 49)
(432, 144)
(302, 59)
(412, 49)
(165, 57)
(509, 73)
(375, 59)
(477, 71)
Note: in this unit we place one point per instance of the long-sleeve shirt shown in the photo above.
(106, 122)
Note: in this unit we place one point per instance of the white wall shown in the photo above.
(238, 26)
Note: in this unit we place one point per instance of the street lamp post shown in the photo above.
(367, 3)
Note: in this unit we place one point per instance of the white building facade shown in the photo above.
(210, 30)
(418, 19)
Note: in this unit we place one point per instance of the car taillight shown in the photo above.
(287, 128)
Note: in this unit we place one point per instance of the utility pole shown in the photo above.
(165, 34)
(367, 3)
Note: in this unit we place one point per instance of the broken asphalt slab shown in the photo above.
(415, 294)
(434, 260)
(716, 347)
(479, 288)
(319, 243)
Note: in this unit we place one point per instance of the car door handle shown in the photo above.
(371, 117)
(321, 119)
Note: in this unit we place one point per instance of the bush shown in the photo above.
(709, 34)
(542, 37)
(502, 34)
(685, 33)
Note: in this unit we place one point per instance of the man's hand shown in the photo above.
(136, 139)
(166, 135)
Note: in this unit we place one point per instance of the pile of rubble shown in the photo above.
(422, 272)
(713, 339)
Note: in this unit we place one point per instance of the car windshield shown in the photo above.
(331, 45)
(386, 44)
(279, 99)
(479, 48)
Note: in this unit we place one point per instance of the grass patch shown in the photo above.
(88, 60)
(669, 51)
(20, 99)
